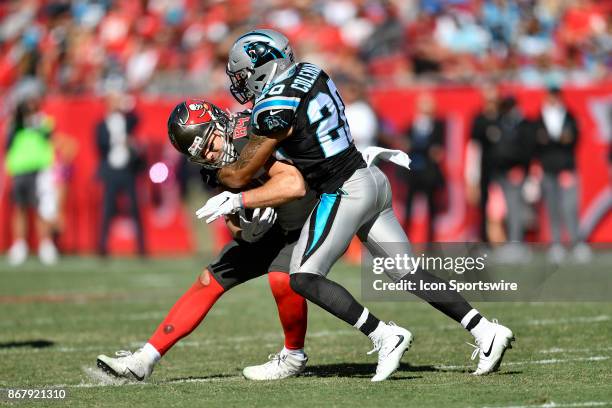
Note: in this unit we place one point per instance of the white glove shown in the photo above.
(398, 157)
(222, 204)
(254, 229)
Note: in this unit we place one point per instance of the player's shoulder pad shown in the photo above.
(305, 76)
(274, 110)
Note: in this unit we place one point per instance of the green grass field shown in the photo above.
(55, 321)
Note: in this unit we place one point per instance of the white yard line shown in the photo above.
(573, 350)
(569, 320)
(558, 405)
(528, 362)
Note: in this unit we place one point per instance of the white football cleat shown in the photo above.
(391, 344)
(556, 254)
(133, 366)
(47, 252)
(491, 348)
(582, 253)
(18, 253)
(279, 366)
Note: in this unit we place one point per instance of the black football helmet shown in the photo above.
(192, 126)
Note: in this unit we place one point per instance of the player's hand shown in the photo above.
(255, 228)
(222, 204)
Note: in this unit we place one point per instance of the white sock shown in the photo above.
(362, 318)
(481, 328)
(151, 352)
(378, 331)
(296, 353)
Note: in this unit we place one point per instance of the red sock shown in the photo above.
(187, 313)
(292, 310)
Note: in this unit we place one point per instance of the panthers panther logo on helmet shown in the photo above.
(256, 59)
(261, 53)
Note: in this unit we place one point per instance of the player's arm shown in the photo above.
(285, 184)
(272, 121)
(252, 158)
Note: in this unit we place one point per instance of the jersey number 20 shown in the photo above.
(328, 109)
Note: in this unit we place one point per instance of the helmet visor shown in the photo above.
(239, 88)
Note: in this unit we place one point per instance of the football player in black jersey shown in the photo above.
(299, 114)
(263, 244)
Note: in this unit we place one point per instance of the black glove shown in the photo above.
(209, 177)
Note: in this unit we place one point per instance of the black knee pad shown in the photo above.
(300, 282)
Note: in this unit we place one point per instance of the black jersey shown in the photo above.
(321, 146)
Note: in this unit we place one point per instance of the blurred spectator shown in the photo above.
(426, 137)
(512, 147)
(119, 165)
(66, 149)
(387, 36)
(29, 158)
(484, 132)
(533, 39)
(178, 46)
(501, 18)
(425, 54)
(556, 135)
(141, 64)
(360, 115)
(460, 33)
